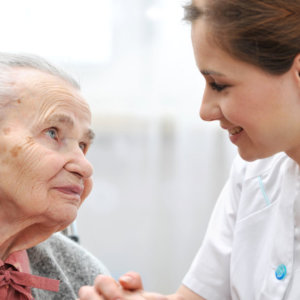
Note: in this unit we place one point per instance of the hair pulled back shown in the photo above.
(265, 33)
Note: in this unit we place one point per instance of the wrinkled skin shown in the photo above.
(45, 175)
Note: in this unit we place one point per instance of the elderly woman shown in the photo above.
(45, 134)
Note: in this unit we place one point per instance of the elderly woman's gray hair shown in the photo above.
(9, 61)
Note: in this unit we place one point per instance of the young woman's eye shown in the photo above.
(52, 133)
(218, 87)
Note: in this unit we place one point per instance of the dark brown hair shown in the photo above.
(265, 33)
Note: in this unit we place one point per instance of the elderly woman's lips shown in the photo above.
(70, 190)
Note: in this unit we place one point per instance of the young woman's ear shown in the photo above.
(296, 68)
(297, 63)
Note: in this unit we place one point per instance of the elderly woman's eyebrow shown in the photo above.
(191, 12)
(90, 135)
(69, 122)
(61, 118)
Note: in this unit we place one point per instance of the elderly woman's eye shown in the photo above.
(52, 133)
(82, 146)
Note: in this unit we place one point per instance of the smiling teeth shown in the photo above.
(235, 130)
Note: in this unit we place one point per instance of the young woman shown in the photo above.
(249, 54)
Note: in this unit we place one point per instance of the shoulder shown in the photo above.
(264, 182)
(246, 177)
(65, 252)
(61, 258)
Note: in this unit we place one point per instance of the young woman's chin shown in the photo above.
(248, 155)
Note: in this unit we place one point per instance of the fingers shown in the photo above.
(89, 293)
(177, 296)
(131, 281)
(153, 296)
(108, 288)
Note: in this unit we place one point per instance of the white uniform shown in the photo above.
(251, 250)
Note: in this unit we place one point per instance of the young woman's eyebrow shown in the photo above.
(211, 72)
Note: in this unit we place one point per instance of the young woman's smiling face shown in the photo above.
(45, 135)
(260, 111)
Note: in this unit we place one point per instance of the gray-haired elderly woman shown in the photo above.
(45, 134)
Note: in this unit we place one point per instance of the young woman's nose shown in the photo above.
(210, 109)
(78, 164)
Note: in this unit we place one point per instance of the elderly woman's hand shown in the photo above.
(129, 287)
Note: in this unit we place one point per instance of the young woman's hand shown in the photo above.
(129, 287)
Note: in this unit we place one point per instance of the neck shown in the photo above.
(22, 235)
(294, 155)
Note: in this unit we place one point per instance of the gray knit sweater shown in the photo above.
(61, 258)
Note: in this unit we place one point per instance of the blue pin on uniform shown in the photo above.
(280, 272)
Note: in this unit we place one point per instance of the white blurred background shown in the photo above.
(158, 167)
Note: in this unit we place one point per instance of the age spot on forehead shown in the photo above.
(19, 101)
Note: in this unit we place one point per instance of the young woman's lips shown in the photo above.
(235, 133)
(235, 130)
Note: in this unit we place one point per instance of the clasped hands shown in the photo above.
(129, 287)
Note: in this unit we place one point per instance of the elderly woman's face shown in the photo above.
(44, 138)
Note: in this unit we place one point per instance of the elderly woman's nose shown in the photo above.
(78, 163)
